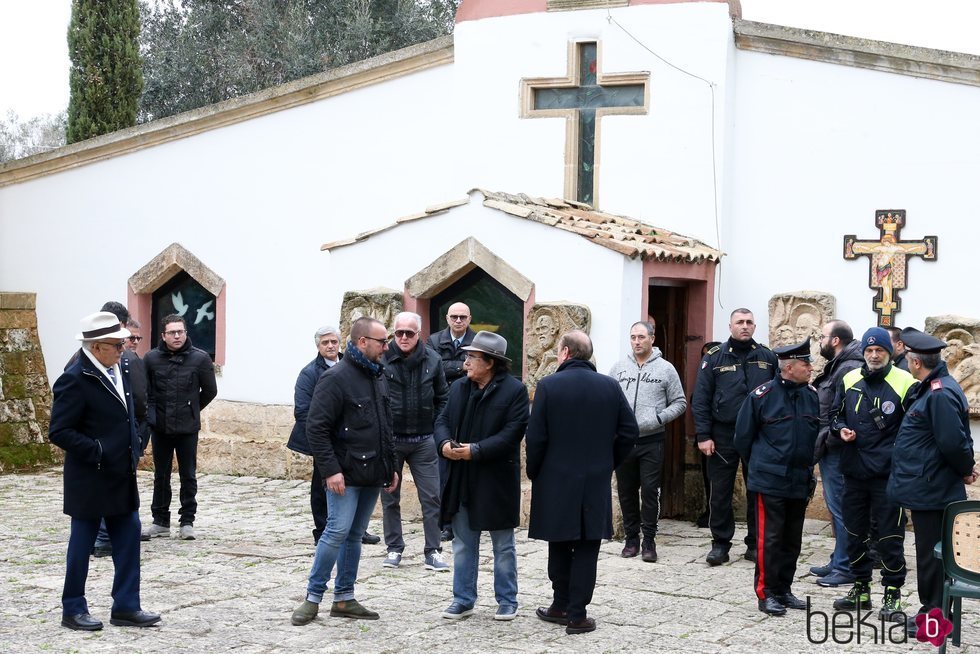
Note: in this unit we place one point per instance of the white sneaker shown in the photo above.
(434, 561)
(155, 531)
(392, 560)
(187, 532)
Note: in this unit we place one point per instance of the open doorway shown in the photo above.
(668, 306)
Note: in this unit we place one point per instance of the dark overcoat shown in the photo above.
(302, 394)
(491, 481)
(581, 429)
(97, 431)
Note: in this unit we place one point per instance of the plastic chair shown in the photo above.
(961, 561)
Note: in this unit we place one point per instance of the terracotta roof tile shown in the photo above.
(628, 236)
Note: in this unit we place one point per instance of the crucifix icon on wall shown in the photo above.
(889, 257)
(582, 98)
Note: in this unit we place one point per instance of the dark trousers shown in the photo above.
(572, 570)
(638, 479)
(124, 534)
(928, 528)
(318, 503)
(780, 529)
(862, 499)
(722, 468)
(164, 447)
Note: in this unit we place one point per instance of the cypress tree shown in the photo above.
(106, 77)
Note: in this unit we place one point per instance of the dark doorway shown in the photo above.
(182, 295)
(668, 306)
(492, 306)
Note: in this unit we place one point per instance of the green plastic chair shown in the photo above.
(961, 561)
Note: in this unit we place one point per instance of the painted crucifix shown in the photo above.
(889, 261)
(582, 98)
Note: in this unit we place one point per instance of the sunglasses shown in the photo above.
(134, 339)
(404, 333)
(458, 318)
(117, 346)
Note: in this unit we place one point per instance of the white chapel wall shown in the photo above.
(817, 148)
(254, 201)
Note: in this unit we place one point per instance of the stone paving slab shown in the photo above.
(233, 589)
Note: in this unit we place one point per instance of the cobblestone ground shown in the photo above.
(233, 589)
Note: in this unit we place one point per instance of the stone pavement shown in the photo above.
(233, 588)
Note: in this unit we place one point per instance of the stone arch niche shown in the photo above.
(471, 273)
(198, 295)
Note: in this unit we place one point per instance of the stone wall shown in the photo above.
(25, 397)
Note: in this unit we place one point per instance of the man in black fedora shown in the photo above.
(480, 433)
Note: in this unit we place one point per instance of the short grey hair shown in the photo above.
(928, 361)
(784, 363)
(134, 323)
(323, 331)
(414, 317)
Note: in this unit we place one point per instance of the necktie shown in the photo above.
(456, 343)
(112, 374)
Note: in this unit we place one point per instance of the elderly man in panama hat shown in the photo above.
(93, 421)
(480, 433)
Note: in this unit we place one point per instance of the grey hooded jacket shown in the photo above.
(653, 391)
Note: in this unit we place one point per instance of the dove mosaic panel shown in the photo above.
(185, 297)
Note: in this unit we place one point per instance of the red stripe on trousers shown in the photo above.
(760, 551)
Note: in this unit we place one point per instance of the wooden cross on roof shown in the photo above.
(889, 257)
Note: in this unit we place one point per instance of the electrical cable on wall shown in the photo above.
(714, 167)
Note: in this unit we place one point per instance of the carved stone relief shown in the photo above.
(962, 354)
(546, 322)
(379, 303)
(794, 316)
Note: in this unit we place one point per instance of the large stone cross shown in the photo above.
(583, 97)
(889, 261)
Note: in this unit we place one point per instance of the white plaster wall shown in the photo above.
(254, 201)
(817, 149)
(552, 259)
(656, 167)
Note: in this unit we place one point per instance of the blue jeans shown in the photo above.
(833, 493)
(347, 518)
(466, 562)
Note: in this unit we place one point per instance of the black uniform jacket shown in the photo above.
(776, 432)
(723, 382)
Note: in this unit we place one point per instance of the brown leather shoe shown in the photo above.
(631, 547)
(551, 614)
(580, 627)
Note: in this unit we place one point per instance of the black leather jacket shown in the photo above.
(417, 388)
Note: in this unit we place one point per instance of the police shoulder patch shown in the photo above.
(762, 390)
(936, 384)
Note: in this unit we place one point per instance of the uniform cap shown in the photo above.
(798, 351)
(920, 342)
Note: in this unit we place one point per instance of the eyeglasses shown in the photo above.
(134, 339)
(405, 333)
(117, 346)
(383, 341)
(459, 318)
(175, 332)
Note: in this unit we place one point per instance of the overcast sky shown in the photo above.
(34, 52)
